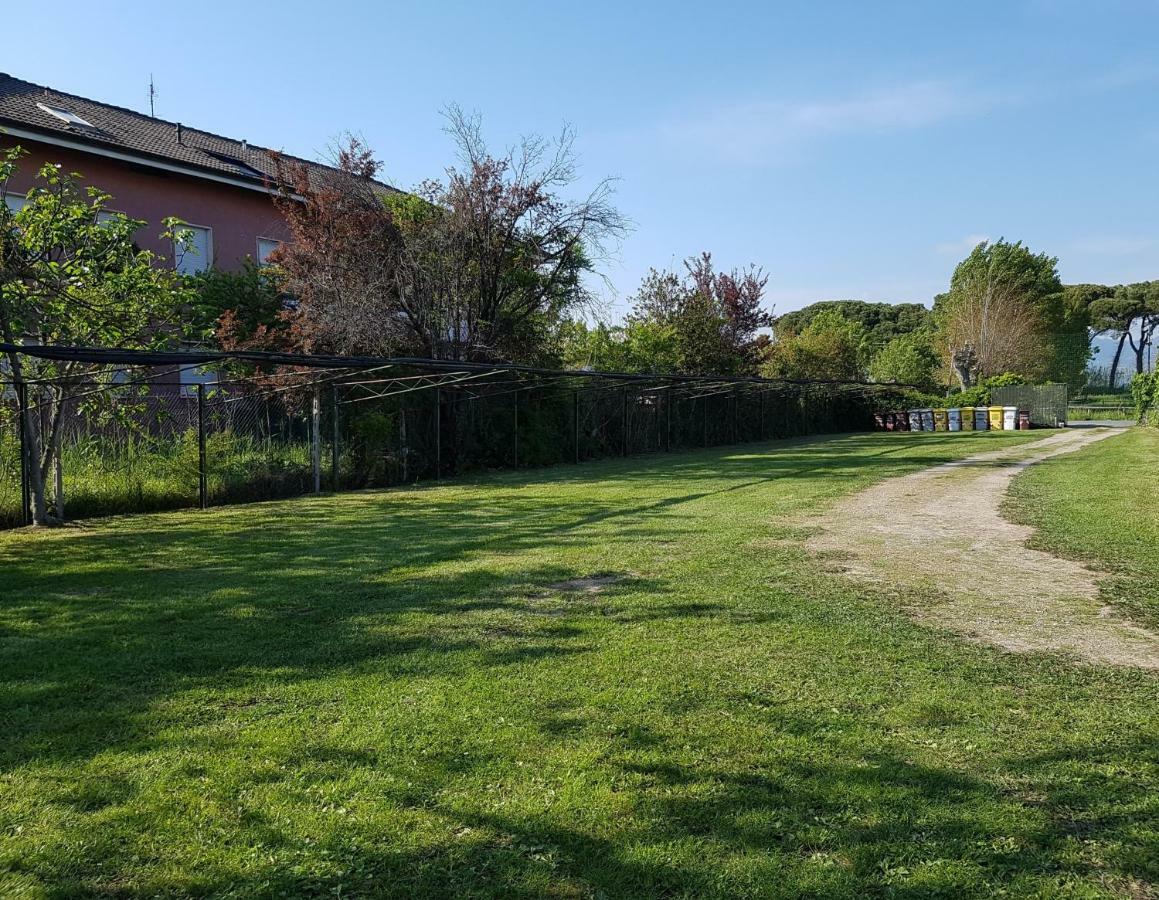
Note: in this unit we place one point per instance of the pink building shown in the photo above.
(152, 169)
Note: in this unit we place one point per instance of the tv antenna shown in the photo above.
(152, 96)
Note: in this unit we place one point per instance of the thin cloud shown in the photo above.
(960, 247)
(769, 129)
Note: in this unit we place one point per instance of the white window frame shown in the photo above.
(208, 245)
(258, 253)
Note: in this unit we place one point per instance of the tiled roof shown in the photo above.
(22, 105)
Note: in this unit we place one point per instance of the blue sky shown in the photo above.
(851, 149)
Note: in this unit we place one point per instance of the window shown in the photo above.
(192, 377)
(15, 202)
(195, 253)
(64, 115)
(266, 246)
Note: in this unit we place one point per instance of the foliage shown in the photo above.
(830, 348)
(1131, 310)
(708, 322)
(480, 266)
(71, 275)
(907, 359)
(883, 322)
(1145, 393)
(238, 303)
(396, 692)
(1006, 311)
(636, 346)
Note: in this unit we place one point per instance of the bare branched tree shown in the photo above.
(340, 263)
(476, 266)
(992, 319)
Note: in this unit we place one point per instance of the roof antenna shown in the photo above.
(152, 96)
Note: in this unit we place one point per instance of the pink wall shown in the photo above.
(237, 216)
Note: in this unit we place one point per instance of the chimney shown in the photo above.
(179, 132)
(245, 146)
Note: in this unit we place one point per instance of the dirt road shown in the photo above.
(942, 529)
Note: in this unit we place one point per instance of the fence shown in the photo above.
(251, 439)
(1047, 402)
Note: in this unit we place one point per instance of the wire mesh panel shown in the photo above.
(143, 439)
(1047, 402)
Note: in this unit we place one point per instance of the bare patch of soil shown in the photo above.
(590, 584)
(942, 529)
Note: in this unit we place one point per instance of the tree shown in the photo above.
(236, 303)
(715, 318)
(1005, 312)
(71, 275)
(479, 266)
(341, 262)
(637, 346)
(882, 321)
(830, 348)
(1132, 311)
(907, 359)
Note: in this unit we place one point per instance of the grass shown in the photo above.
(389, 694)
(1100, 413)
(151, 474)
(1100, 506)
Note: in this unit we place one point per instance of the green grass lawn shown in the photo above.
(381, 694)
(1101, 505)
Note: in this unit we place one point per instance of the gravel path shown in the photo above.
(942, 529)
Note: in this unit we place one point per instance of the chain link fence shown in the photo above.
(173, 446)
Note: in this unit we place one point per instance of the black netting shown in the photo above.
(162, 446)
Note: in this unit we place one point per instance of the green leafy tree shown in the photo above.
(1131, 311)
(907, 359)
(709, 321)
(638, 346)
(1006, 311)
(70, 274)
(882, 321)
(830, 348)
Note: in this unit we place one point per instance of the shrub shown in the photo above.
(1145, 391)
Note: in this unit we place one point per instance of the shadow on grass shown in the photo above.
(418, 585)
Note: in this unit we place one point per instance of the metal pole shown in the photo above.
(575, 422)
(668, 423)
(704, 420)
(438, 433)
(735, 433)
(626, 433)
(335, 471)
(761, 429)
(58, 483)
(25, 473)
(316, 438)
(516, 395)
(202, 475)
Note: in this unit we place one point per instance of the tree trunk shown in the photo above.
(1115, 361)
(32, 446)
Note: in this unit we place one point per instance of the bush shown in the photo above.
(1145, 391)
(908, 359)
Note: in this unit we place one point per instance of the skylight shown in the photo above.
(242, 167)
(65, 116)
